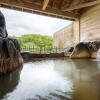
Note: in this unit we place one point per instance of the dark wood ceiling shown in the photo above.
(66, 9)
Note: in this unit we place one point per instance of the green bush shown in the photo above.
(35, 40)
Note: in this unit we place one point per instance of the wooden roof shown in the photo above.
(66, 9)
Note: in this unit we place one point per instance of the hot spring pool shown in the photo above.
(56, 79)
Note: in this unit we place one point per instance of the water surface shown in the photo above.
(56, 79)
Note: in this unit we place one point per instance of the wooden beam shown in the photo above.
(45, 4)
(82, 5)
(37, 9)
(67, 4)
(53, 3)
(33, 1)
(19, 1)
(60, 4)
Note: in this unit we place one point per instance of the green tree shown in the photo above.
(35, 40)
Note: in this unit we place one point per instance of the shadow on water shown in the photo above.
(9, 82)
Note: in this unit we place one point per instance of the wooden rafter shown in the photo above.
(53, 3)
(45, 4)
(67, 4)
(33, 1)
(60, 3)
(37, 9)
(81, 5)
(19, 1)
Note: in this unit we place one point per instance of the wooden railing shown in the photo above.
(41, 50)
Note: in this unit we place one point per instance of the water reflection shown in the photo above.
(9, 82)
(41, 80)
(60, 79)
(84, 87)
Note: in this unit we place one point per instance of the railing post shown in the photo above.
(56, 49)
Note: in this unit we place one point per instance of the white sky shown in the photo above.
(20, 23)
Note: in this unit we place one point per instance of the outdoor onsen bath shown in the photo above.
(55, 56)
(56, 79)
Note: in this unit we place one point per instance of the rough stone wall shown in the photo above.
(76, 32)
(67, 37)
(90, 24)
(58, 39)
(63, 38)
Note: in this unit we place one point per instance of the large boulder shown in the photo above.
(10, 57)
(80, 51)
(3, 31)
(68, 51)
(13, 47)
(8, 48)
(16, 44)
(85, 50)
(3, 49)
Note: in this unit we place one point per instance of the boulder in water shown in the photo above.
(80, 51)
(3, 31)
(10, 57)
(85, 50)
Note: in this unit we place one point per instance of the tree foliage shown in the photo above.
(35, 40)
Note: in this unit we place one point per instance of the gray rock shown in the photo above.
(3, 31)
(16, 44)
(85, 49)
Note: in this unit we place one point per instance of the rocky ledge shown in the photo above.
(10, 57)
(85, 50)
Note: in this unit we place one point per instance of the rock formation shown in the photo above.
(3, 31)
(10, 57)
(68, 51)
(85, 50)
(9, 82)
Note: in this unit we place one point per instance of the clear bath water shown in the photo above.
(55, 79)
